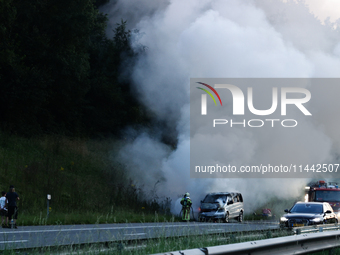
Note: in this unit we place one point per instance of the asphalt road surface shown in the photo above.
(43, 236)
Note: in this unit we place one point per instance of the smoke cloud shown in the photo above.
(234, 38)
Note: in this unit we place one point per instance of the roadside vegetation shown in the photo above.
(85, 183)
(61, 74)
(65, 99)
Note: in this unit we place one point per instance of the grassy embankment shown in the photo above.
(86, 185)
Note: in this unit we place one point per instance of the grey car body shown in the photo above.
(222, 206)
(308, 213)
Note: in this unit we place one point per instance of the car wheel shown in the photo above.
(240, 217)
(226, 218)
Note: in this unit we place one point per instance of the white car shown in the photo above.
(221, 206)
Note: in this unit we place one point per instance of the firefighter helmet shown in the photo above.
(187, 194)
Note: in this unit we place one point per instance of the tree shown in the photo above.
(60, 73)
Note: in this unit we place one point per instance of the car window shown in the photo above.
(215, 198)
(307, 208)
(209, 199)
(322, 195)
(325, 207)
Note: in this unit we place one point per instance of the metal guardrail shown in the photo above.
(303, 243)
(316, 228)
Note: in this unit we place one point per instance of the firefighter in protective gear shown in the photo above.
(186, 205)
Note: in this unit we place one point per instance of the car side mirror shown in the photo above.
(223, 201)
(230, 202)
(328, 211)
(286, 210)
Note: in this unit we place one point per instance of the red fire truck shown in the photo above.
(321, 191)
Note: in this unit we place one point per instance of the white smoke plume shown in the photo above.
(233, 38)
(220, 202)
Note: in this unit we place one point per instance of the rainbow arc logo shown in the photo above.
(209, 93)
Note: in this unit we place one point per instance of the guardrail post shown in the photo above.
(320, 229)
(298, 231)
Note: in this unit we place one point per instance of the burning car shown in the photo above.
(221, 206)
(308, 213)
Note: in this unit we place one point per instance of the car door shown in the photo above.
(236, 206)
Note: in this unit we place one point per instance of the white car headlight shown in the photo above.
(283, 219)
(316, 220)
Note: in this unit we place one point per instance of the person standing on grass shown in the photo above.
(3, 209)
(12, 198)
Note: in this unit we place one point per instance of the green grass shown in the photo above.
(86, 184)
(92, 218)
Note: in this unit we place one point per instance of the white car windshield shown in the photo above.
(214, 198)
